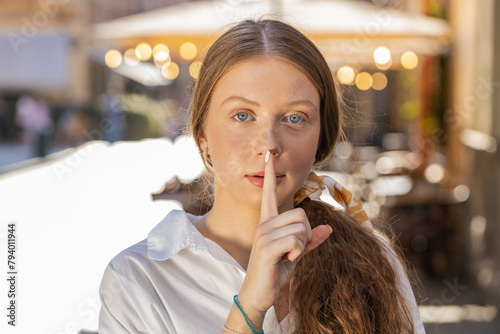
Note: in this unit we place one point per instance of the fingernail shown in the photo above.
(268, 153)
(331, 229)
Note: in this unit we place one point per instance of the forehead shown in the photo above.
(263, 77)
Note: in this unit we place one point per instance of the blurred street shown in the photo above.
(14, 156)
(464, 310)
(109, 190)
(68, 212)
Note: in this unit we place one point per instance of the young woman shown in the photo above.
(269, 256)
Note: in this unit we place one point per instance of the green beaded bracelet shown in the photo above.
(245, 316)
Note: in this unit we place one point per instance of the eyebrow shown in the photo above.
(254, 103)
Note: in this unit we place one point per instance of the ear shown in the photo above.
(203, 141)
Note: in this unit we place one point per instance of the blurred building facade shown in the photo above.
(45, 44)
(46, 55)
(473, 120)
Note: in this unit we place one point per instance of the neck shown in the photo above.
(232, 224)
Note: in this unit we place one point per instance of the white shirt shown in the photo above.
(177, 281)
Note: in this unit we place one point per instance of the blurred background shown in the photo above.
(94, 96)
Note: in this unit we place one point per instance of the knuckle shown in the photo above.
(301, 229)
(299, 248)
(301, 214)
(294, 242)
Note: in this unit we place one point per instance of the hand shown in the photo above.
(280, 241)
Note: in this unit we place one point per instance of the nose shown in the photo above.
(267, 138)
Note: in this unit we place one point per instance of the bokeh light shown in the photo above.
(379, 81)
(393, 185)
(434, 173)
(131, 57)
(410, 109)
(385, 66)
(188, 51)
(382, 55)
(161, 55)
(438, 314)
(369, 171)
(364, 81)
(485, 277)
(113, 58)
(161, 51)
(144, 51)
(170, 71)
(194, 69)
(163, 62)
(461, 193)
(409, 60)
(346, 75)
(478, 226)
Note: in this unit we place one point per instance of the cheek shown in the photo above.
(303, 160)
(303, 149)
(228, 153)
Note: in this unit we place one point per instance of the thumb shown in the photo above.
(318, 235)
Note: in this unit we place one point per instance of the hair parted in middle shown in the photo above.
(277, 40)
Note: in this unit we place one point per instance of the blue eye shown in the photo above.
(295, 119)
(242, 116)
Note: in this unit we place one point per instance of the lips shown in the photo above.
(257, 179)
(261, 173)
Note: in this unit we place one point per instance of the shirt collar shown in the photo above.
(174, 233)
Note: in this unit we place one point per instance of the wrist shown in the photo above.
(236, 322)
(245, 319)
(251, 307)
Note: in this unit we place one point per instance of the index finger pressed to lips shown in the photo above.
(269, 205)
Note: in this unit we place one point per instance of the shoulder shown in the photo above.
(121, 293)
(130, 259)
(392, 257)
(134, 279)
(386, 246)
(172, 234)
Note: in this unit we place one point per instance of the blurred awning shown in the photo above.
(343, 30)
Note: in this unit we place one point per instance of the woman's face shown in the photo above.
(260, 105)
